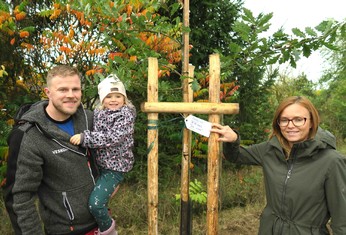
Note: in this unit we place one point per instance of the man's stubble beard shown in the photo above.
(69, 112)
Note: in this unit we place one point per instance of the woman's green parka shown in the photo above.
(303, 192)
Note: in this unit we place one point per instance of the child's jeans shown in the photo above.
(99, 197)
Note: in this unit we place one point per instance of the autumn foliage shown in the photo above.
(98, 35)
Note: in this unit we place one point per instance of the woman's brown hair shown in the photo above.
(306, 103)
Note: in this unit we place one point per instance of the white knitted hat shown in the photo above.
(111, 84)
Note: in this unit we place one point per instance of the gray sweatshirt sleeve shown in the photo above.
(28, 178)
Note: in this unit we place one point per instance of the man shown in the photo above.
(49, 167)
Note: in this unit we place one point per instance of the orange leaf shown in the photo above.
(133, 58)
(24, 34)
(27, 46)
(13, 40)
(129, 9)
(65, 49)
(114, 54)
(55, 14)
(71, 33)
(90, 72)
(16, 10)
(20, 16)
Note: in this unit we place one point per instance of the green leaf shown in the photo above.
(46, 13)
(234, 48)
(29, 29)
(343, 30)
(310, 31)
(323, 26)
(298, 32)
(279, 34)
(274, 59)
(265, 19)
(241, 66)
(242, 29)
(118, 59)
(306, 50)
(293, 62)
(296, 55)
(248, 14)
(330, 46)
(4, 6)
(195, 85)
(22, 5)
(174, 8)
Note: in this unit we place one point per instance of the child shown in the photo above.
(113, 140)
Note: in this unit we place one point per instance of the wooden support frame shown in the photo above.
(214, 108)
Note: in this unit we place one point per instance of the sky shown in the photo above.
(300, 14)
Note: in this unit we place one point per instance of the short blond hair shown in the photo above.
(62, 71)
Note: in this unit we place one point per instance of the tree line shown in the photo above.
(103, 36)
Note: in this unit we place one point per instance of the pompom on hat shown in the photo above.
(111, 84)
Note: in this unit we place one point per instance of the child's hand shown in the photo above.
(75, 139)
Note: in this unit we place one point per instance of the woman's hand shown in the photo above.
(226, 133)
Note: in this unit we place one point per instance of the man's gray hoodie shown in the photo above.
(56, 171)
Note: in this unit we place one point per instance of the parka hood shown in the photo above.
(323, 140)
(326, 137)
(33, 113)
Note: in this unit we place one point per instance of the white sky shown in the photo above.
(300, 14)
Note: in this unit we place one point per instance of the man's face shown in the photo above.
(64, 95)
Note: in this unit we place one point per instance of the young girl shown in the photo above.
(112, 138)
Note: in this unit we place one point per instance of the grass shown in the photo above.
(234, 214)
(129, 206)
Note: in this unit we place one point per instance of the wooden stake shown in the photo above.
(213, 148)
(185, 202)
(153, 149)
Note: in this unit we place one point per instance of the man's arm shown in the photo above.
(28, 178)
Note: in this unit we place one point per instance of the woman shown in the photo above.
(304, 175)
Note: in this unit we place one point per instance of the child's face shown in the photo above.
(114, 101)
